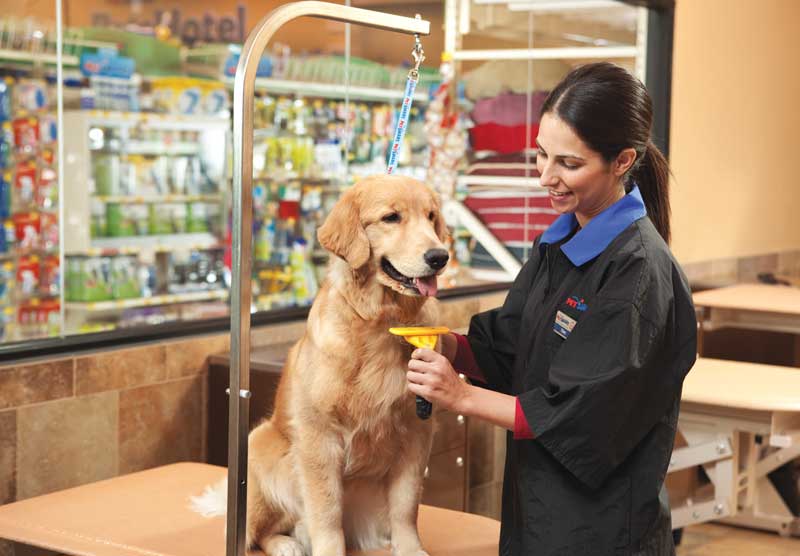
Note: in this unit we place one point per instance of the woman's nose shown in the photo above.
(547, 176)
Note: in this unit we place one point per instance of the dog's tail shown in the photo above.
(213, 501)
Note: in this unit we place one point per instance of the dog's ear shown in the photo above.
(342, 233)
(439, 225)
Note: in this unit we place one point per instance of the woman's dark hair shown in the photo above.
(610, 110)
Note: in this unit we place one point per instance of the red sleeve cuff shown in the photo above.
(464, 361)
(522, 430)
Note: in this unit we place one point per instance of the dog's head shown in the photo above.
(392, 226)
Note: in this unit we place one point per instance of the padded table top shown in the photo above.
(752, 297)
(743, 385)
(147, 514)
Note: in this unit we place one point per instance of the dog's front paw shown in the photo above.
(413, 552)
(282, 545)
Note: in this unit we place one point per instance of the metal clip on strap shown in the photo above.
(419, 56)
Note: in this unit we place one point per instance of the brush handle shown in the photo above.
(424, 408)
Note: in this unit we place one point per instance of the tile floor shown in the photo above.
(710, 539)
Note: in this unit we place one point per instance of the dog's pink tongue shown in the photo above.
(427, 286)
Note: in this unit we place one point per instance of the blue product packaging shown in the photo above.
(5, 100)
(5, 197)
(31, 96)
(6, 145)
(264, 66)
(48, 129)
(107, 64)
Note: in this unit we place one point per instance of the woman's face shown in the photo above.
(577, 178)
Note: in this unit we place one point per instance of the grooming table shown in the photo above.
(147, 514)
(741, 422)
(750, 306)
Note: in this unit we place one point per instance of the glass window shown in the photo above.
(115, 191)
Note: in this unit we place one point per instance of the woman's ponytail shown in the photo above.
(652, 177)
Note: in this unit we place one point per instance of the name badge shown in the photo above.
(563, 324)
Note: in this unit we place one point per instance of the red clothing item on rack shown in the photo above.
(464, 362)
(501, 138)
(508, 108)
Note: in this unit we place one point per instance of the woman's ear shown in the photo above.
(342, 233)
(624, 161)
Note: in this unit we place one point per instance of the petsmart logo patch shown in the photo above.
(576, 303)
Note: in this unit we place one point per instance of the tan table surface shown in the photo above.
(743, 385)
(752, 297)
(147, 514)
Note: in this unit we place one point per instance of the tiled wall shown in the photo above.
(74, 420)
(745, 269)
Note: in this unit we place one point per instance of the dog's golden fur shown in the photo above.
(341, 461)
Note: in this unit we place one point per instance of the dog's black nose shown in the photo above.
(436, 258)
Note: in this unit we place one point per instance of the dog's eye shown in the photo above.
(391, 218)
(431, 216)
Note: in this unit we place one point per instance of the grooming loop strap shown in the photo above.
(402, 121)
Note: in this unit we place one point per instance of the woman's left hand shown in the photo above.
(432, 376)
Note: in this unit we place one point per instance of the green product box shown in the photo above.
(124, 284)
(87, 279)
(159, 220)
(119, 222)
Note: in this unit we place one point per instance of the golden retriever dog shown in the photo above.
(341, 461)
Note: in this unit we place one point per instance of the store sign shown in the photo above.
(209, 28)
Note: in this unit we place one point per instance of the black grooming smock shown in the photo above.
(595, 338)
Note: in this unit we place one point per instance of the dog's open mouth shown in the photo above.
(423, 285)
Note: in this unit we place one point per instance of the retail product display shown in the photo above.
(285, 221)
(282, 64)
(149, 230)
(29, 279)
(182, 95)
(444, 128)
(316, 138)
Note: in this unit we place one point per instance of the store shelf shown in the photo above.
(539, 6)
(331, 90)
(36, 252)
(498, 181)
(167, 242)
(567, 53)
(141, 200)
(177, 122)
(108, 252)
(153, 148)
(213, 295)
(36, 57)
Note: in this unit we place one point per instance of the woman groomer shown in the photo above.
(585, 360)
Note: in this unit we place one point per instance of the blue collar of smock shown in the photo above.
(601, 230)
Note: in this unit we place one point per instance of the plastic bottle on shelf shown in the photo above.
(265, 240)
(6, 145)
(6, 92)
(283, 241)
(304, 281)
(5, 195)
(6, 283)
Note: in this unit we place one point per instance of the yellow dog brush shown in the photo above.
(421, 337)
